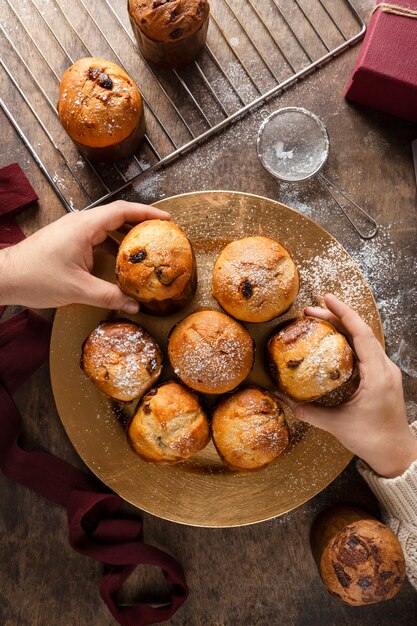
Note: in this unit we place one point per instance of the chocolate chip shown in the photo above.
(342, 576)
(294, 362)
(163, 276)
(173, 15)
(159, 271)
(151, 366)
(353, 541)
(246, 289)
(201, 8)
(146, 408)
(335, 375)
(364, 583)
(105, 81)
(106, 376)
(94, 73)
(386, 575)
(138, 256)
(160, 3)
(176, 33)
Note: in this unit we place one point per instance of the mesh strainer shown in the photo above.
(293, 145)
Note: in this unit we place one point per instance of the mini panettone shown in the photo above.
(211, 352)
(121, 359)
(255, 279)
(156, 266)
(169, 425)
(101, 109)
(169, 32)
(308, 358)
(359, 559)
(249, 429)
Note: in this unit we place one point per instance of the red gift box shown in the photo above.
(385, 74)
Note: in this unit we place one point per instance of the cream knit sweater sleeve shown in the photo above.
(398, 500)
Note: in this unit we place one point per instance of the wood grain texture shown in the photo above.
(259, 575)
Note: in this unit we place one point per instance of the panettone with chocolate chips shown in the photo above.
(101, 109)
(359, 559)
(169, 425)
(121, 359)
(308, 358)
(255, 279)
(249, 429)
(156, 266)
(211, 352)
(169, 32)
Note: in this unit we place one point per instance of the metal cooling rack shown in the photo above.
(255, 49)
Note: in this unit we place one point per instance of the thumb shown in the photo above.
(320, 416)
(101, 293)
(314, 414)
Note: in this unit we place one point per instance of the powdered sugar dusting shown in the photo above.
(212, 356)
(125, 357)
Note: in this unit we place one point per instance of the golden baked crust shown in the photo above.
(363, 563)
(249, 429)
(211, 352)
(169, 425)
(168, 20)
(99, 105)
(308, 358)
(121, 359)
(255, 279)
(156, 266)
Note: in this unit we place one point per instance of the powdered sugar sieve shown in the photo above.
(293, 145)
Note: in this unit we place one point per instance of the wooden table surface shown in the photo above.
(263, 574)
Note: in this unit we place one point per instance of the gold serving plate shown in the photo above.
(202, 491)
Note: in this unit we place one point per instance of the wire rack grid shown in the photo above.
(255, 50)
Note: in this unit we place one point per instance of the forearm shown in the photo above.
(9, 280)
(398, 499)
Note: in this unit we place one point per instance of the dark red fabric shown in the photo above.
(385, 73)
(16, 191)
(96, 527)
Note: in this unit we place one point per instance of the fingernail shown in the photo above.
(131, 307)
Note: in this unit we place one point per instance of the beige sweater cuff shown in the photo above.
(398, 499)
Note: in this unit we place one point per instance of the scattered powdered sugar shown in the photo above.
(327, 270)
(386, 268)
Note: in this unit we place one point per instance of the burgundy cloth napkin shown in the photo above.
(96, 527)
(16, 191)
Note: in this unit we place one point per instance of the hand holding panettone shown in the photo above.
(372, 423)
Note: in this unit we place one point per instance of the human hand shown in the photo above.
(53, 266)
(372, 423)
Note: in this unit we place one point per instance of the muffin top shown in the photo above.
(309, 358)
(168, 20)
(169, 424)
(99, 105)
(255, 279)
(211, 352)
(363, 564)
(155, 261)
(249, 429)
(122, 359)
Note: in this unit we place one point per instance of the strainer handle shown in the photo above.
(330, 186)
